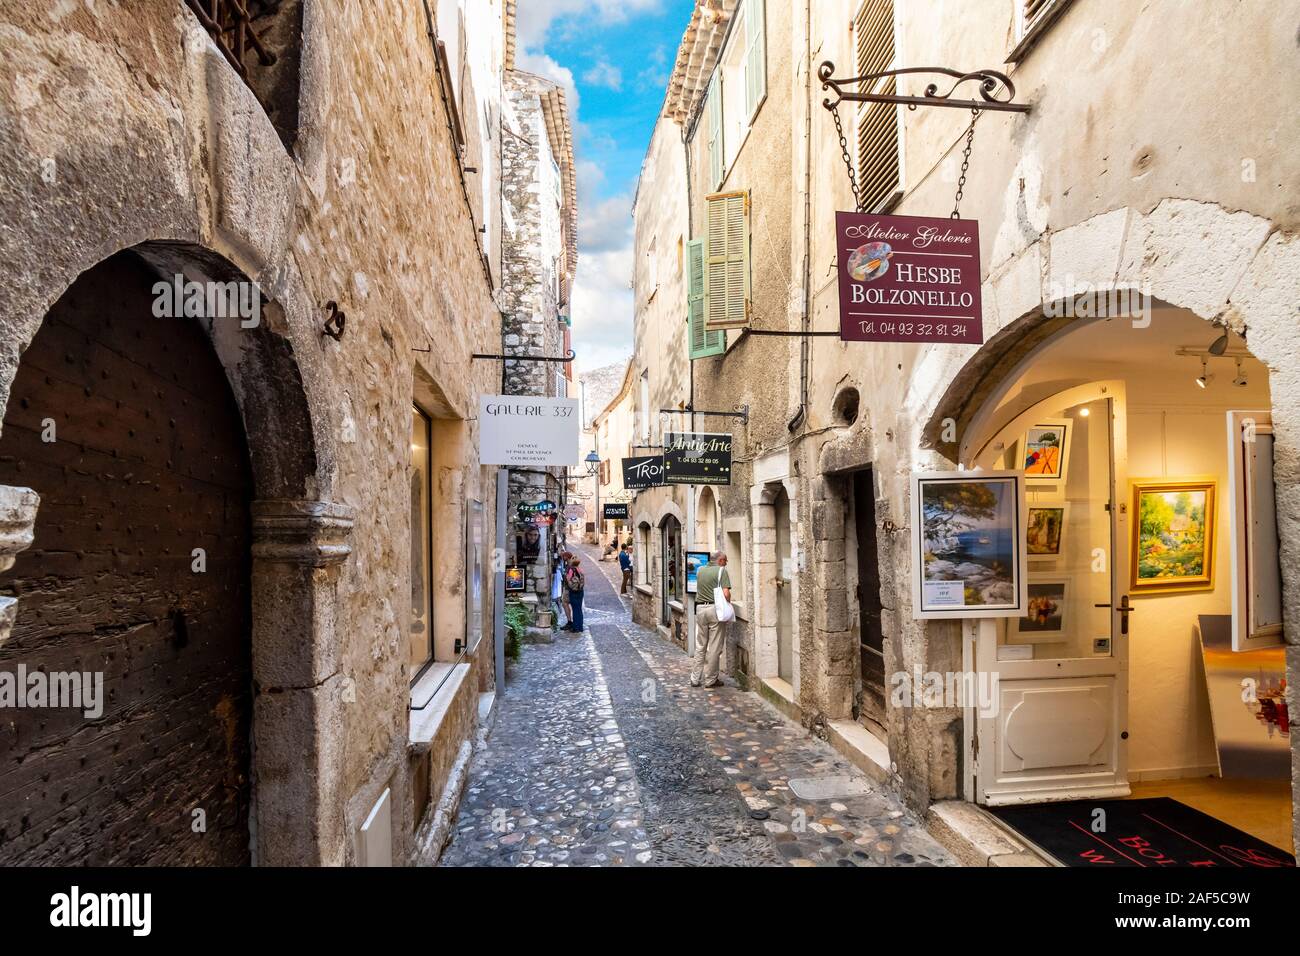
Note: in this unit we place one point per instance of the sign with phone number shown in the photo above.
(909, 279)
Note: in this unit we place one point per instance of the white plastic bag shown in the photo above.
(726, 613)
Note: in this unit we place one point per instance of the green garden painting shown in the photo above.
(1173, 547)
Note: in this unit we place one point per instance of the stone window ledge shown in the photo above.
(645, 589)
(426, 722)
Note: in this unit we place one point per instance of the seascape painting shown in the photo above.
(969, 556)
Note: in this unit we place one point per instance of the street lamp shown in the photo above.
(593, 469)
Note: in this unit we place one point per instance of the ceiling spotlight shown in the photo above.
(1084, 412)
(1204, 378)
(1240, 380)
(1219, 345)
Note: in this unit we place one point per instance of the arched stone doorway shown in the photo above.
(254, 503)
(125, 425)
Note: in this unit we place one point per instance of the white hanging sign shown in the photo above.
(528, 431)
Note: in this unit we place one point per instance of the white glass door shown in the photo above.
(1054, 726)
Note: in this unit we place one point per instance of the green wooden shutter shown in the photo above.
(726, 261)
(703, 342)
(755, 56)
(716, 141)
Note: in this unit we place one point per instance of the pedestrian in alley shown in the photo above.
(560, 591)
(710, 633)
(576, 584)
(625, 563)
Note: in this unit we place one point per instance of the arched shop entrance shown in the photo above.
(1147, 454)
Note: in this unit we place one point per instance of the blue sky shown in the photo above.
(613, 58)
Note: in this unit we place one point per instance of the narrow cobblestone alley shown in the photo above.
(603, 755)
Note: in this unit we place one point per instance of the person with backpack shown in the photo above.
(575, 584)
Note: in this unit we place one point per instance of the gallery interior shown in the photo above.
(1147, 457)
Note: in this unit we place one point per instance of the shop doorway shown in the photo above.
(871, 637)
(671, 565)
(1107, 688)
(784, 589)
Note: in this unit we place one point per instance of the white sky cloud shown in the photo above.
(602, 296)
(606, 74)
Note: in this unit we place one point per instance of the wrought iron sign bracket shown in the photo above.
(989, 83)
(742, 413)
(523, 358)
(788, 334)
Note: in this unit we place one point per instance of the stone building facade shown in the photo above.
(1109, 181)
(211, 501)
(539, 258)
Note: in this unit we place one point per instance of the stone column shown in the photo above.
(298, 798)
(836, 651)
(17, 530)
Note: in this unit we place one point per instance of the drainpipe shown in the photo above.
(805, 341)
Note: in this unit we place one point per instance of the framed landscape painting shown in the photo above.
(1173, 535)
(968, 544)
(1046, 525)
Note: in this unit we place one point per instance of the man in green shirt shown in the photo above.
(710, 633)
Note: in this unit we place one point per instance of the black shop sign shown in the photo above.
(697, 458)
(646, 471)
(614, 512)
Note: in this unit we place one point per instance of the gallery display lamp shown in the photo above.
(1204, 378)
(1240, 380)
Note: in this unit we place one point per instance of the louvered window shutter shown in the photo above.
(726, 261)
(755, 55)
(716, 142)
(879, 172)
(703, 342)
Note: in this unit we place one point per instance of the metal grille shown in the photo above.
(230, 22)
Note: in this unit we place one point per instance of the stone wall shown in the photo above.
(126, 127)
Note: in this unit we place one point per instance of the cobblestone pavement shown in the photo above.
(603, 755)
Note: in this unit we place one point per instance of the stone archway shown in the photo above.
(298, 542)
(1157, 254)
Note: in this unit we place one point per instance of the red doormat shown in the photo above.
(1152, 832)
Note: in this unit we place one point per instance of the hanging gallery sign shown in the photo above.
(614, 512)
(968, 545)
(524, 431)
(645, 471)
(697, 458)
(908, 279)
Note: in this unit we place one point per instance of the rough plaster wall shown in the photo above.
(369, 212)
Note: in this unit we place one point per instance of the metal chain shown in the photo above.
(965, 163)
(848, 160)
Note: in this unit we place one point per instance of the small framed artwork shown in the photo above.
(1172, 547)
(694, 561)
(1044, 620)
(514, 579)
(1046, 451)
(1046, 527)
(968, 544)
